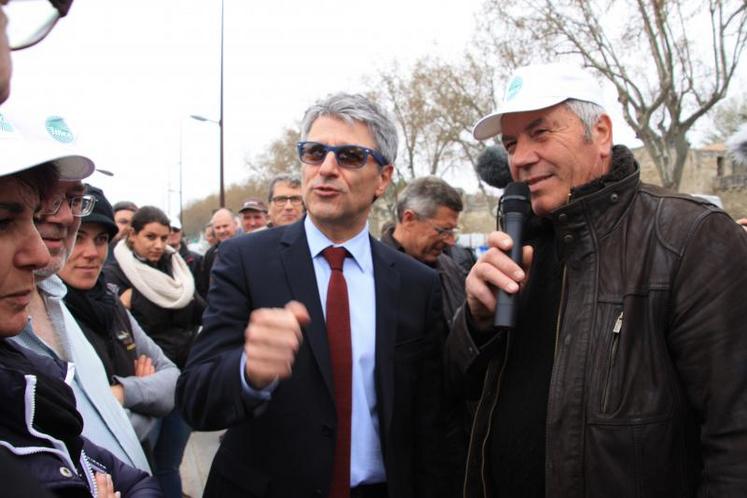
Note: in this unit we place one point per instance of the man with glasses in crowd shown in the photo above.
(52, 330)
(286, 203)
(322, 356)
(427, 217)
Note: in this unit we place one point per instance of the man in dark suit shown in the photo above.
(311, 410)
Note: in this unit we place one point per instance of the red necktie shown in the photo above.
(340, 351)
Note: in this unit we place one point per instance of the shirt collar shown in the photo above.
(52, 286)
(358, 246)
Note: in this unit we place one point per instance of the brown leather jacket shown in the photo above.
(648, 395)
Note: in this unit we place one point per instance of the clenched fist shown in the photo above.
(271, 341)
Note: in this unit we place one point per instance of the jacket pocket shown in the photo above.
(632, 379)
(611, 360)
(635, 461)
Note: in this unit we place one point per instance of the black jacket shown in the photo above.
(648, 393)
(450, 274)
(40, 429)
(105, 323)
(173, 330)
(193, 260)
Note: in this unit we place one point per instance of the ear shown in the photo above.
(602, 135)
(408, 216)
(385, 178)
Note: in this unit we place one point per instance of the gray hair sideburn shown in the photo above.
(587, 112)
(355, 107)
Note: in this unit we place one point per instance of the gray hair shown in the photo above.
(292, 180)
(588, 112)
(425, 195)
(350, 108)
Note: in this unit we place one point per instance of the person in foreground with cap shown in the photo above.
(52, 330)
(40, 428)
(142, 378)
(253, 215)
(625, 373)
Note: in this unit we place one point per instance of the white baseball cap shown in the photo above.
(539, 86)
(32, 140)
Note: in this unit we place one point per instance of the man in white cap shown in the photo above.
(52, 330)
(625, 373)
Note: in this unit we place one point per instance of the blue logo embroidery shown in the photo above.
(5, 125)
(514, 87)
(58, 129)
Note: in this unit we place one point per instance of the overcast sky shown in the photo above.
(127, 75)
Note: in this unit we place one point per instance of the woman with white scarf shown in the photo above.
(155, 284)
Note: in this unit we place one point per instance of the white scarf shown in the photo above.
(158, 287)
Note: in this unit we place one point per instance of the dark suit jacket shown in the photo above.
(284, 447)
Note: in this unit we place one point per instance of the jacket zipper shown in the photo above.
(88, 473)
(558, 323)
(611, 360)
(490, 420)
(560, 311)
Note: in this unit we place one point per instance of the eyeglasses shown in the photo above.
(80, 205)
(30, 21)
(444, 233)
(347, 156)
(282, 200)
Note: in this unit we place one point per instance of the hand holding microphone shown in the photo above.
(515, 208)
(495, 278)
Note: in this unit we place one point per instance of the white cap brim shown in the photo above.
(490, 125)
(26, 144)
(70, 168)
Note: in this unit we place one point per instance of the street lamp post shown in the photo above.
(220, 119)
(222, 194)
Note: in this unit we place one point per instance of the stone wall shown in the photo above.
(708, 170)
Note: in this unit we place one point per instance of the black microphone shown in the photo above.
(515, 207)
(492, 166)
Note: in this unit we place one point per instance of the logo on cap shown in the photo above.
(5, 125)
(59, 130)
(514, 87)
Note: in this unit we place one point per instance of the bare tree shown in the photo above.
(435, 106)
(726, 118)
(279, 158)
(670, 61)
(427, 143)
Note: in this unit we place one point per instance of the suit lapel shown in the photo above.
(299, 271)
(386, 281)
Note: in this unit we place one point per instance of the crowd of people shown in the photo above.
(344, 366)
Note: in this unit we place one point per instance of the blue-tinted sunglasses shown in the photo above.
(347, 156)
